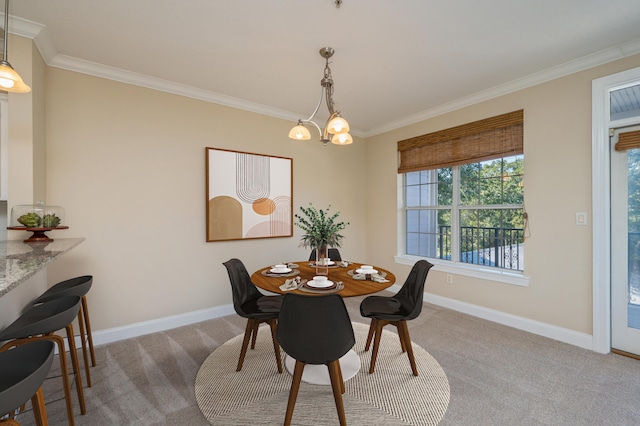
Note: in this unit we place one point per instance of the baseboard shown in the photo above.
(571, 337)
(161, 324)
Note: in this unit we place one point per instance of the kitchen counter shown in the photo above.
(20, 261)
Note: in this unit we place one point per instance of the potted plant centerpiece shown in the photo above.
(322, 231)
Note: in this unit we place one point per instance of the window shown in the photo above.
(464, 200)
(471, 213)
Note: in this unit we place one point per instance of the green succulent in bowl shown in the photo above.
(50, 221)
(30, 220)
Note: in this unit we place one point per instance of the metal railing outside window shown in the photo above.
(495, 247)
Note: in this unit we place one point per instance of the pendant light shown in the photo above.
(337, 128)
(10, 80)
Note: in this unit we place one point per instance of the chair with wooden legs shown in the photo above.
(78, 286)
(257, 308)
(396, 310)
(40, 322)
(23, 370)
(315, 330)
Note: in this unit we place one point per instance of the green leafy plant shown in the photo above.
(321, 227)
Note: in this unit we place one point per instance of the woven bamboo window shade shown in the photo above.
(487, 139)
(628, 140)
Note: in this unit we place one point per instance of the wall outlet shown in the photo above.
(449, 279)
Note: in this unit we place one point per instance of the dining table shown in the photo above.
(352, 283)
(345, 280)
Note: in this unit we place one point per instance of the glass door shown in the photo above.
(625, 245)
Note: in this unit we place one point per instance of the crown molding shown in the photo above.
(599, 58)
(47, 49)
(23, 27)
(34, 31)
(116, 74)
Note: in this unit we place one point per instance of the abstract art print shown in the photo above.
(248, 195)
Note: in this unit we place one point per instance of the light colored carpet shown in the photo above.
(258, 394)
(498, 376)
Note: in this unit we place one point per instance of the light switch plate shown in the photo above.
(581, 219)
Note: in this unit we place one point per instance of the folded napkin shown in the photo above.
(374, 277)
(290, 284)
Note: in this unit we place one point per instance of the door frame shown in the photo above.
(601, 201)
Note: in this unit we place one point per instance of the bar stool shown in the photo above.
(78, 286)
(22, 372)
(39, 323)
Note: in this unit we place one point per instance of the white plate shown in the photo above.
(331, 262)
(280, 271)
(312, 283)
(368, 272)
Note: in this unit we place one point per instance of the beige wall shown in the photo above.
(26, 126)
(557, 132)
(39, 128)
(128, 165)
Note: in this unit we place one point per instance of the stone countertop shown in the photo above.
(20, 261)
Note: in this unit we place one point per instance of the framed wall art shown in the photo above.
(248, 195)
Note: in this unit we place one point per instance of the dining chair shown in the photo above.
(257, 308)
(396, 310)
(40, 322)
(23, 370)
(78, 286)
(334, 254)
(315, 330)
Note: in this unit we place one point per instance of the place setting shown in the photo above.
(367, 272)
(281, 270)
(321, 284)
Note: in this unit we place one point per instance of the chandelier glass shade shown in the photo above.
(299, 132)
(336, 129)
(10, 80)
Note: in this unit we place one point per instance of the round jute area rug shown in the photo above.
(258, 395)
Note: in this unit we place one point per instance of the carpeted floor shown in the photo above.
(497, 376)
(258, 394)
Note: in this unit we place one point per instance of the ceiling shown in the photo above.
(395, 62)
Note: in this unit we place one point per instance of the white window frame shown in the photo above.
(450, 266)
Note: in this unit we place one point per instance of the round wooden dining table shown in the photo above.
(342, 275)
(337, 273)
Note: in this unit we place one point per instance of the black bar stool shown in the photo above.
(39, 323)
(78, 286)
(22, 372)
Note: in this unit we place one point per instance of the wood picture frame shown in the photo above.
(249, 195)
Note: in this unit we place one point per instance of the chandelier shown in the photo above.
(336, 129)
(10, 80)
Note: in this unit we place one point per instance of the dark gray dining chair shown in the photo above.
(315, 330)
(396, 310)
(257, 308)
